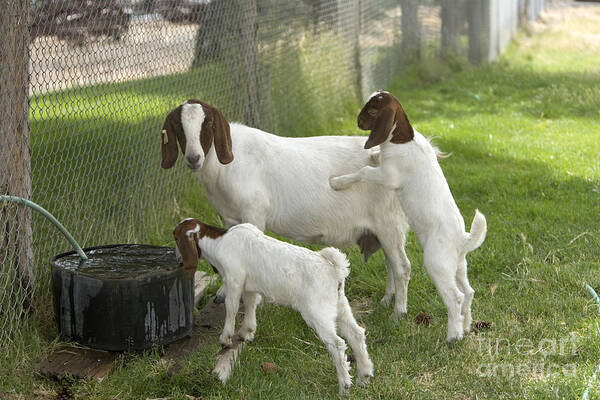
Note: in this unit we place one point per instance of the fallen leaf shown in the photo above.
(268, 368)
(423, 319)
(65, 393)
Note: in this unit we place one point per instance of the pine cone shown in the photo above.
(481, 326)
(65, 393)
(423, 319)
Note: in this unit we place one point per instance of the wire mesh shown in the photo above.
(86, 85)
(16, 257)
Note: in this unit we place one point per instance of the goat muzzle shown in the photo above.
(365, 122)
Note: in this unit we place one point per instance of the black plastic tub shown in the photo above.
(125, 297)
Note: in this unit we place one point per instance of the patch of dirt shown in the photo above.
(148, 49)
(577, 23)
(362, 305)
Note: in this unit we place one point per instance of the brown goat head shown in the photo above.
(215, 130)
(379, 115)
(187, 234)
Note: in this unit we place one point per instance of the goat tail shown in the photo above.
(476, 236)
(338, 260)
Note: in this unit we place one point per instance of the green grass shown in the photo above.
(523, 133)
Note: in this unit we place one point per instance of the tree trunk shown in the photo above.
(450, 27)
(478, 14)
(214, 31)
(411, 30)
(15, 168)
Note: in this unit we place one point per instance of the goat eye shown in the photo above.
(372, 112)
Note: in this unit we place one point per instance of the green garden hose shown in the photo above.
(46, 214)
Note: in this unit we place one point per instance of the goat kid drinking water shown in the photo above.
(409, 165)
(252, 264)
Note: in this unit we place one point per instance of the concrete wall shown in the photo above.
(498, 23)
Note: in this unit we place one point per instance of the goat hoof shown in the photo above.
(226, 341)
(397, 316)
(401, 313)
(246, 334)
(363, 380)
(219, 299)
(467, 326)
(221, 375)
(454, 338)
(344, 390)
(333, 183)
(386, 300)
(337, 183)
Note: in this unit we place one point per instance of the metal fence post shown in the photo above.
(357, 62)
(411, 29)
(249, 26)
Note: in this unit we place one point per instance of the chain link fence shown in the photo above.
(86, 84)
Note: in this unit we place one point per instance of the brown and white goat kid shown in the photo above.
(409, 165)
(252, 264)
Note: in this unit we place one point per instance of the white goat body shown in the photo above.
(281, 184)
(285, 188)
(253, 264)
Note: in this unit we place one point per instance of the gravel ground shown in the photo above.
(584, 23)
(151, 47)
(154, 47)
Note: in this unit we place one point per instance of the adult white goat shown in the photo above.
(282, 184)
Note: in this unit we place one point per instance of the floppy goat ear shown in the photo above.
(381, 128)
(404, 131)
(172, 131)
(187, 244)
(216, 131)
